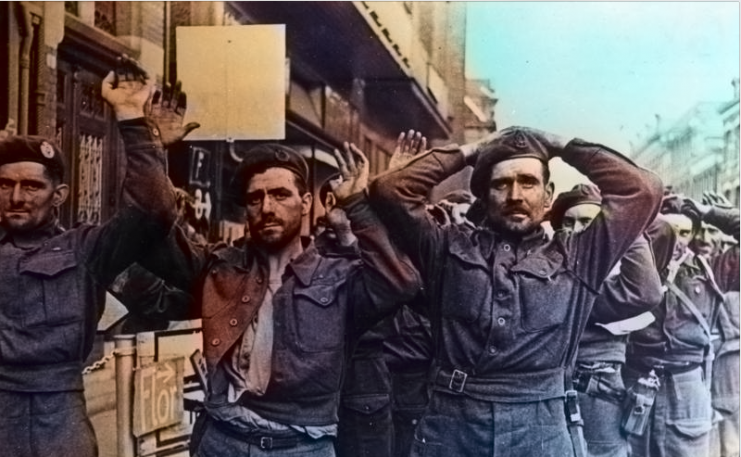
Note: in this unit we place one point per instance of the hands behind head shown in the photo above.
(167, 110)
(127, 89)
(408, 145)
(354, 168)
(715, 199)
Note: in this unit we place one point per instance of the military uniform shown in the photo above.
(52, 284)
(677, 347)
(506, 313)
(321, 305)
(725, 385)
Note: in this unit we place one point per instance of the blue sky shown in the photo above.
(602, 70)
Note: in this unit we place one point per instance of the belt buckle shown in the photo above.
(457, 381)
(266, 442)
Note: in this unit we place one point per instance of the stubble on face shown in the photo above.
(518, 197)
(27, 196)
(274, 208)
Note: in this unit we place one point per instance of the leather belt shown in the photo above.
(259, 438)
(505, 387)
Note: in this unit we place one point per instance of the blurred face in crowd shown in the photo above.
(519, 196)
(706, 241)
(28, 196)
(337, 220)
(275, 207)
(578, 217)
(682, 226)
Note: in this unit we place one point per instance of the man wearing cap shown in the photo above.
(678, 346)
(621, 307)
(279, 318)
(507, 305)
(365, 427)
(52, 282)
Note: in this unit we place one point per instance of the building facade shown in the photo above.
(358, 71)
(698, 152)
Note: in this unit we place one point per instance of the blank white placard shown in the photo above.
(234, 77)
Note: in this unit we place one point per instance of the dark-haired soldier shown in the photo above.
(621, 307)
(52, 282)
(279, 318)
(677, 347)
(507, 306)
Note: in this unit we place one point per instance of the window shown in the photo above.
(105, 16)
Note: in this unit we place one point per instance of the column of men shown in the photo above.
(406, 328)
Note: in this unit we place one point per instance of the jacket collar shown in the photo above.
(32, 238)
(303, 266)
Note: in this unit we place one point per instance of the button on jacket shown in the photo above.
(324, 303)
(52, 282)
(507, 314)
(502, 306)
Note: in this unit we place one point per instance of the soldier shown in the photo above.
(620, 308)
(677, 349)
(365, 428)
(507, 306)
(52, 282)
(725, 383)
(279, 318)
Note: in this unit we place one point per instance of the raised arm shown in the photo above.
(634, 290)
(630, 200)
(387, 276)
(148, 202)
(400, 197)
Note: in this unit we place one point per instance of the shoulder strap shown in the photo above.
(685, 300)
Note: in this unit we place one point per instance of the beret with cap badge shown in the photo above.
(262, 157)
(31, 148)
(513, 143)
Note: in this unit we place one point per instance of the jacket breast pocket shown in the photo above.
(465, 286)
(57, 276)
(545, 291)
(319, 317)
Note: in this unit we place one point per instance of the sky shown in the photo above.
(602, 71)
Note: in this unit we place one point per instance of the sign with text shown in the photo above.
(235, 79)
(158, 396)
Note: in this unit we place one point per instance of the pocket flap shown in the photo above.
(320, 294)
(540, 266)
(49, 263)
(462, 249)
(366, 404)
(691, 428)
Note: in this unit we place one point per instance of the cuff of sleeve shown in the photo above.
(357, 208)
(139, 132)
(452, 158)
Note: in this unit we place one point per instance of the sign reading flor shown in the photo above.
(158, 396)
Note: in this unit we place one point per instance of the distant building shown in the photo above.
(699, 151)
(480, 100)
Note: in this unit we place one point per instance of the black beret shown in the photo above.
(581, 194)
(514, 143)
(262, 157)
(32, 148)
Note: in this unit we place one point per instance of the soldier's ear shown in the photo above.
(306, 201)
(61, 192)
(549, 191)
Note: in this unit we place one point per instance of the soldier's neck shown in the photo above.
(278, 260)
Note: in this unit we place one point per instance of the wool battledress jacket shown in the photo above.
(324, 304)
